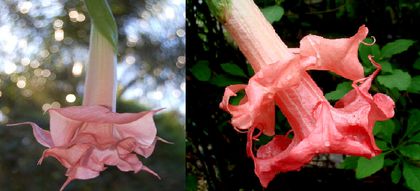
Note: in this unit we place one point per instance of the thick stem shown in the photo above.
(100, 84)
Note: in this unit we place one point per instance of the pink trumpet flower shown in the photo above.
(85, 139)
(281, 79)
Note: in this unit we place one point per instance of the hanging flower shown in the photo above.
(86, 138)
(281, 79)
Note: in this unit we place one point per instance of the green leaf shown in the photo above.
(366, 167)
(412, 176)
(349, 163)
(192, 183)
(233, 69)
(339, 92)
(250, 70)
(384, 129)
(413, 122)
(236, 99)
(415, 138)
(396, 174)
(382, 145)
(273, 13)
(411, 151)
(365, 50)
(416, 64)
(386, 66)
(398, 79)
(414, 85)
(201, 70)
(389, 162)
(396, 47)
(223, 81)
(103, 20)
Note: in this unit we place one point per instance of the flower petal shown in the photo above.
(42, 136)
(98, 114)
(337, 55)
(68, 157)
(62, 128)
(143, 129)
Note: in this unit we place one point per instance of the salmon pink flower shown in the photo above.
(281, 79)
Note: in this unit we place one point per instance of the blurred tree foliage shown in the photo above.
(216, 157)
(150, 55)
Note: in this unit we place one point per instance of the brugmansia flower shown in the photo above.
(85, 139)
(281, 79)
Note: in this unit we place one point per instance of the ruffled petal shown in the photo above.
(68, 157)
(97, 114)
(337, 55)
(62, 128)
(130, 162)
(42, 136)
(241, 118)
(143, 129)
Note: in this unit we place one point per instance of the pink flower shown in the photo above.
(86, 138)
(317, 126)
(281, 79)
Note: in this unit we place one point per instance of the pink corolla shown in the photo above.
(281, 79)
(85, 139)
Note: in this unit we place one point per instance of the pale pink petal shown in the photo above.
(126, 146)
(82, 173)
(145, 150)
(130, 163)
(62, 128)
(68, 157)
(143, 129)
(42, 136)
(79, 173)
(98, 114)
(102, 132)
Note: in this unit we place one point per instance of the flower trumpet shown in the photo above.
(281, 79)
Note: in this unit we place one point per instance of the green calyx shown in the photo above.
(219, 8)
(103, 20)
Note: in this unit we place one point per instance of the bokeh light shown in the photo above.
(77, 68)
(21, 83)
(71, 98)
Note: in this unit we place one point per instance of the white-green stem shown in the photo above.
(101, 80)
(254, 35)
